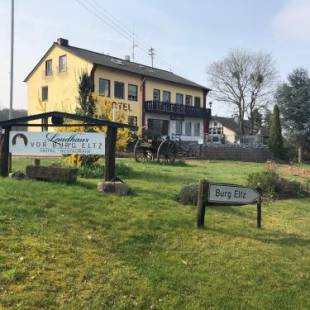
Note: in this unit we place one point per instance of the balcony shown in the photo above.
(175, 109)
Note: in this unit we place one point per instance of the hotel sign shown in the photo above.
(118, 105)
(56, 143)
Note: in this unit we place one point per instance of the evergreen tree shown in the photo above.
(293, 99)
(87, 105)
(275, 138)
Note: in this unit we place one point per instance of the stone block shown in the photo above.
(109, 187)
(18, 175)
(52, 174)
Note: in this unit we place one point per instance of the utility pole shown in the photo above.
(134, 45)
(12, 60)
(152, 54)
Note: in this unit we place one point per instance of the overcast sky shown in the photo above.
(187, 35)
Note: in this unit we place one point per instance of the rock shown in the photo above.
(18, 175)
(109, 187)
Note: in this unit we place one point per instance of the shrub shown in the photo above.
(274, 186)
(188, 194)
(97, 171)
(123, 169)
(266, 180)
(91, 172)
(288, 189)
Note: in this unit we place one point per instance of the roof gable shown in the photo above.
(231, 124)
(53, 46)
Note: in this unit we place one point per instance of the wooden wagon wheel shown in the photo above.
(166, 152)
(142, 154)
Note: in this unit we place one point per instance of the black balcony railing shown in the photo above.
(176, 109)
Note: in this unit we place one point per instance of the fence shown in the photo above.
(242, 152)
(245, 139)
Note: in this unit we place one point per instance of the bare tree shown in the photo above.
(244, 80)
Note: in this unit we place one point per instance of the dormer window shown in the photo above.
(48, 67)
(63, 63)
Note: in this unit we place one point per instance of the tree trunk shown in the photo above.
(300, 154)
(241, 125)
(251, 122)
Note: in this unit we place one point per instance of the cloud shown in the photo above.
(293, 21)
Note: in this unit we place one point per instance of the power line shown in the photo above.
(95, 8)
(108, 20)
(90, 10)
(118, 23)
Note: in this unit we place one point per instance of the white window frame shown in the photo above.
(109, 88)
(197, 129)
(180, 133)
(62, 65)
(48, 70)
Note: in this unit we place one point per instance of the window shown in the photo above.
(179, 99)
(156, 94)
(44, 93)
(132, 92)
(62, 63)
(158, 127)
(188, 128)
(166, 96)
(189, 100)
(48, 67)
(119, 90)
(104, 87)
(178, 127)
(132, 120)
(197, 102)
(197, 130)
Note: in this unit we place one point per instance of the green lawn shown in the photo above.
(68, 247)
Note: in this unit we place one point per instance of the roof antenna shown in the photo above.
(152, 54)
(134, 45)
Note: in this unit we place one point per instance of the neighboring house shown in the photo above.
(227, 130)
(152, 98)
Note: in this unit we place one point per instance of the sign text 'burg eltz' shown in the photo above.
(231, 194)
(56, 143)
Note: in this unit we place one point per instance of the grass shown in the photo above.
(68, 247)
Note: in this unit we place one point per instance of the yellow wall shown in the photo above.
(62, 87)
(230, 135)
(129, 107)
(173, 88)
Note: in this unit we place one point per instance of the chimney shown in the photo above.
(127, 57)
(62, 42)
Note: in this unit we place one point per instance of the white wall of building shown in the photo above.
(173, 123)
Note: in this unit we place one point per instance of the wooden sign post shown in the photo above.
(57, 120)
(226, 194)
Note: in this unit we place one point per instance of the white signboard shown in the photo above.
(221, 193)
(56, 143)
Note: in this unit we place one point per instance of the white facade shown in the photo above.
(187, 129)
